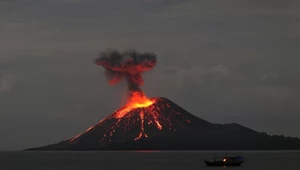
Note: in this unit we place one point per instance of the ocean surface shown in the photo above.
(144, 160)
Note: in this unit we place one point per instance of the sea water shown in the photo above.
(144, 160)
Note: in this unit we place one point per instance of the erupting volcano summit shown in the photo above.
(140, 117)
(158, 123)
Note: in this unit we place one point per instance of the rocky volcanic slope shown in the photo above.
(166, 126)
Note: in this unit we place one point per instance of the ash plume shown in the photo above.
(129, 65)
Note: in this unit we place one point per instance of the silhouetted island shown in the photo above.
(165, 126)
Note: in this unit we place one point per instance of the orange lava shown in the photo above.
(142, 132)
(141, 112)
(136, 100)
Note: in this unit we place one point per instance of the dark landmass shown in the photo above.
(180, 131)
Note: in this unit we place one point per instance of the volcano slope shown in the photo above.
(163, 125)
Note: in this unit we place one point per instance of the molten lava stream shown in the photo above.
(139, 100)
(136, 100)
(142, 132)
(147, 114)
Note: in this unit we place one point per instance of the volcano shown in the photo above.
(141, 119)
(160, 124)
(161, 118)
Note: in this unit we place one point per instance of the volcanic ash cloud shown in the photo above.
(129, 65)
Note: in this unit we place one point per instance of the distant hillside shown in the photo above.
(224, 137)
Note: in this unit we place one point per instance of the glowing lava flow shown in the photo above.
(139, 118)
(137, 100)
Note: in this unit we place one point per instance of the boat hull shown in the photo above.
(208, 163)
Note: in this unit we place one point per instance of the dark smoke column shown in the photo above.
(129, 65)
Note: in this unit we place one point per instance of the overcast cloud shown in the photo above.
(224, 61)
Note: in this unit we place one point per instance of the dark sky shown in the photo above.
(224, 61)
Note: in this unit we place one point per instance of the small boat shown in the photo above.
(226, 161)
